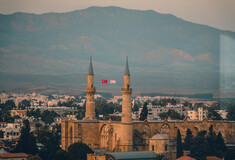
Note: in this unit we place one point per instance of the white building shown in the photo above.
(12, 131)
(197, 114)
(222, 113)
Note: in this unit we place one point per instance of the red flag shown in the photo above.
(104, 81)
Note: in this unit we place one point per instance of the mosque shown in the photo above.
(127, 135)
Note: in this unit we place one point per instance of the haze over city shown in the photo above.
(117, 79)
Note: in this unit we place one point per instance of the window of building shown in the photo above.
(152, 147)
(166, 147)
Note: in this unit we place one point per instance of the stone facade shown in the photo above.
(129, 135)
(107, 134)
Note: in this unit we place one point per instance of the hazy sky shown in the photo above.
(215, 13)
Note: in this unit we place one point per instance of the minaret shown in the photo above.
(90, 90)
(126, 136)
(126, 96)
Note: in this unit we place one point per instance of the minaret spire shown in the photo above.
(127, 71)
(90, 70)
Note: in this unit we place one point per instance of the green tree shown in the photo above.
(50, 140)
(25, 103)
(214, 115)
(1, 134)
(27, 142)
(48, 116)
(199, 148)
(136, 107)
(230, 154)
(5, 116)
(79, 151)
(231, 112)
(179, 146)
(188, 139)
(10, 104)
(220, 146)
(35, 113)
(80, 114)
(144, 112)
(154, 103)
(211, 142)
(104, 108)
(62, 155)
(172, 114)
(163, 115)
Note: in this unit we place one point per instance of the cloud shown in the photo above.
(3, 50)
(183, 54)
(154, 56)
(204, 57)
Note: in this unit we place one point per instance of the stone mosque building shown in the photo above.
(127, 135)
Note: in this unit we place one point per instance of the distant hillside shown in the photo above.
(166, 53)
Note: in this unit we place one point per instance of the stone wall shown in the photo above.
(108, 134)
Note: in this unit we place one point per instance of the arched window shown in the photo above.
(104, 136)
(166, 147)
(71, 136)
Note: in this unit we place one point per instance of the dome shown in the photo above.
(160, 136)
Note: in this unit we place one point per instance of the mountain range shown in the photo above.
(50, 52)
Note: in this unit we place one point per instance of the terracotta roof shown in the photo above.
(213, 158)
(3, 122)
(17, 139)
(19, 111)
(186, 158)
(13, 155)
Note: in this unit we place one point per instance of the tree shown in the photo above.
(179, 146)
(214, 115)
(172, 114)
(211, 142)
(199, 148)
(27, 142)
(144, 112)
(104, 108)
(163, 115)
(231, 112)
(1, 134)
(10, 104)
(79, 151)
(136, 107)
(80, 114)
(62, 155)
(35, 113)
(25, 103)
(154, 103)
(220, 146)
(50, 140)
(188, 139)
(48, 116)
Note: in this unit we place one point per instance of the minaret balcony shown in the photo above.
(90, 90)
(126, 90)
